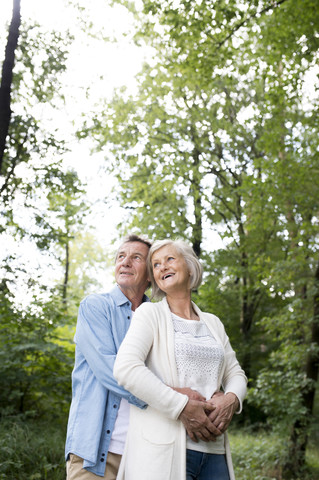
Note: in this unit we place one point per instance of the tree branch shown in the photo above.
(246, 20)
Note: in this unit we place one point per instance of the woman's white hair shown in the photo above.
(192, 262)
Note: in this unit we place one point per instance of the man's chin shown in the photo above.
(125, 282)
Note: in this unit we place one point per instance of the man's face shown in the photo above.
(130, 268)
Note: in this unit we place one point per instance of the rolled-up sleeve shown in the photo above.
(96, 341)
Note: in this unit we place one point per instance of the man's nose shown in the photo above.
(127, 261)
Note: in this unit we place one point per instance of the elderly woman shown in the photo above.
(177, 358)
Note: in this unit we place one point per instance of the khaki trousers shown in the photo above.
(74, 470)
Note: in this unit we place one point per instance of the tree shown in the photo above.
(35, 367)
(35, 363)
(219, 138)
(60, 221)
(36, 339)
(39, 59)
(6, 77)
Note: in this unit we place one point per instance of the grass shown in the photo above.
(259, 456)
(31, 450)
(34, 450)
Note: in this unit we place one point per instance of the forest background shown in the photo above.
(216, 143)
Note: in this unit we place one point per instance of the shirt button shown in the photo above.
(128, 317)
(103, 454)
(101, 459)
(108, 431)
(114, 406)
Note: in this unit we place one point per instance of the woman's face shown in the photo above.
(170, 270)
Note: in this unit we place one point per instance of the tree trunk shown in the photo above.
(296, 458)
(66, 274)
(195, 190)
(247, 307)
(312, 366)
(249, 302)
(6, 78)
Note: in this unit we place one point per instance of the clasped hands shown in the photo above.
(207, 419)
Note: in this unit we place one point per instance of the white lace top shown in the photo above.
(199, 359)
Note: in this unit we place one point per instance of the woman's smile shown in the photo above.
(170, 269)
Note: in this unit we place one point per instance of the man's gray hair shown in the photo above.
(134, 238)
(191, 259)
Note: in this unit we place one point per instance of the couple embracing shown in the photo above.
(153, 395)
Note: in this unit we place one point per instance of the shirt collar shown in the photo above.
(121, 299)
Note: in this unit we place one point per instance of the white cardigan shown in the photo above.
(145, 365)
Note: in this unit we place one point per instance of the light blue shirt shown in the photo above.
(103, 321)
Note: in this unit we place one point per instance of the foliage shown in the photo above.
(260, 455)
(222, 137)
(40, 61)
(43, 206)
(31, 450)
(35, 449)
(35, 368)
(89, 263)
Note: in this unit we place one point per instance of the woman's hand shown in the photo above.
(225, 407)
(195, 417)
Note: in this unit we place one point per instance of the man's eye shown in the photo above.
(170, 258)
(155, 265)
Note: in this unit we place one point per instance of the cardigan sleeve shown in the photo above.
(132, 373)
(234, 379)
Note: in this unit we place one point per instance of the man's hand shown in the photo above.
(225, 407)
(195, 417)
(192, 394)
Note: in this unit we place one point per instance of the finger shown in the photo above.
(209, 407)
(201, 436)
(204, 435)
(192, 436)
(214, 430)
(213, 416)
(221, 426)
(197, 396)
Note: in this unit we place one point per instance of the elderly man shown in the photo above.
(99, 412)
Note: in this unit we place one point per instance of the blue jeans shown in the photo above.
(205, 466)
